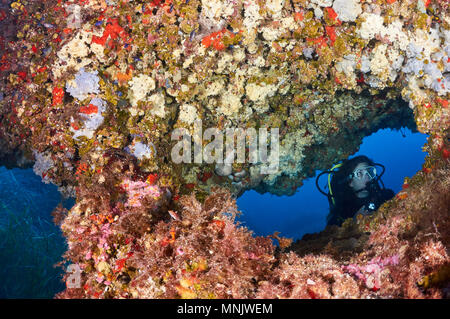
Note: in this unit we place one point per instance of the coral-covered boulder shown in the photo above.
(125, 105)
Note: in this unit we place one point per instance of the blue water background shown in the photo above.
(30, 243)
(305, 211)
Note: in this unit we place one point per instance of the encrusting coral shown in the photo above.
(91, 91)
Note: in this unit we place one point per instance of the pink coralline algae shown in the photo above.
(371, 272)
(137, 190)
(90, 92)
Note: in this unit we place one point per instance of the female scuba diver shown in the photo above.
(354, 189)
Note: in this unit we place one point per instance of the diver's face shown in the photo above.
(359, 183)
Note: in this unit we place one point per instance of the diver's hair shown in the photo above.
(340, 187)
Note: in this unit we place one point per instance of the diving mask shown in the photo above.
(370, 171)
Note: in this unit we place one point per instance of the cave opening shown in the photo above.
(305, 212)
(30, 243)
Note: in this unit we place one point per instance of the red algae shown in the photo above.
(145, 227)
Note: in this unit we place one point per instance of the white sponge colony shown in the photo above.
(92, 120)
(84, 83)
(347, 10)
(140, 150)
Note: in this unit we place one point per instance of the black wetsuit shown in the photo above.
(348, 207)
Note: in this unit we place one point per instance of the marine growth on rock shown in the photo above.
(92, 90)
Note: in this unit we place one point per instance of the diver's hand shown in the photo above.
(363, 211)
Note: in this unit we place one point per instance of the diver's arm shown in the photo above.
(363, 211)
(388, 194)
(335, 217)
(381, 197)
(340, 212)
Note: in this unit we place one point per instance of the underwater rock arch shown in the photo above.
(377, 113)
(92, 91)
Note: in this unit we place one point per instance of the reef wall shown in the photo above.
(92, 90)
